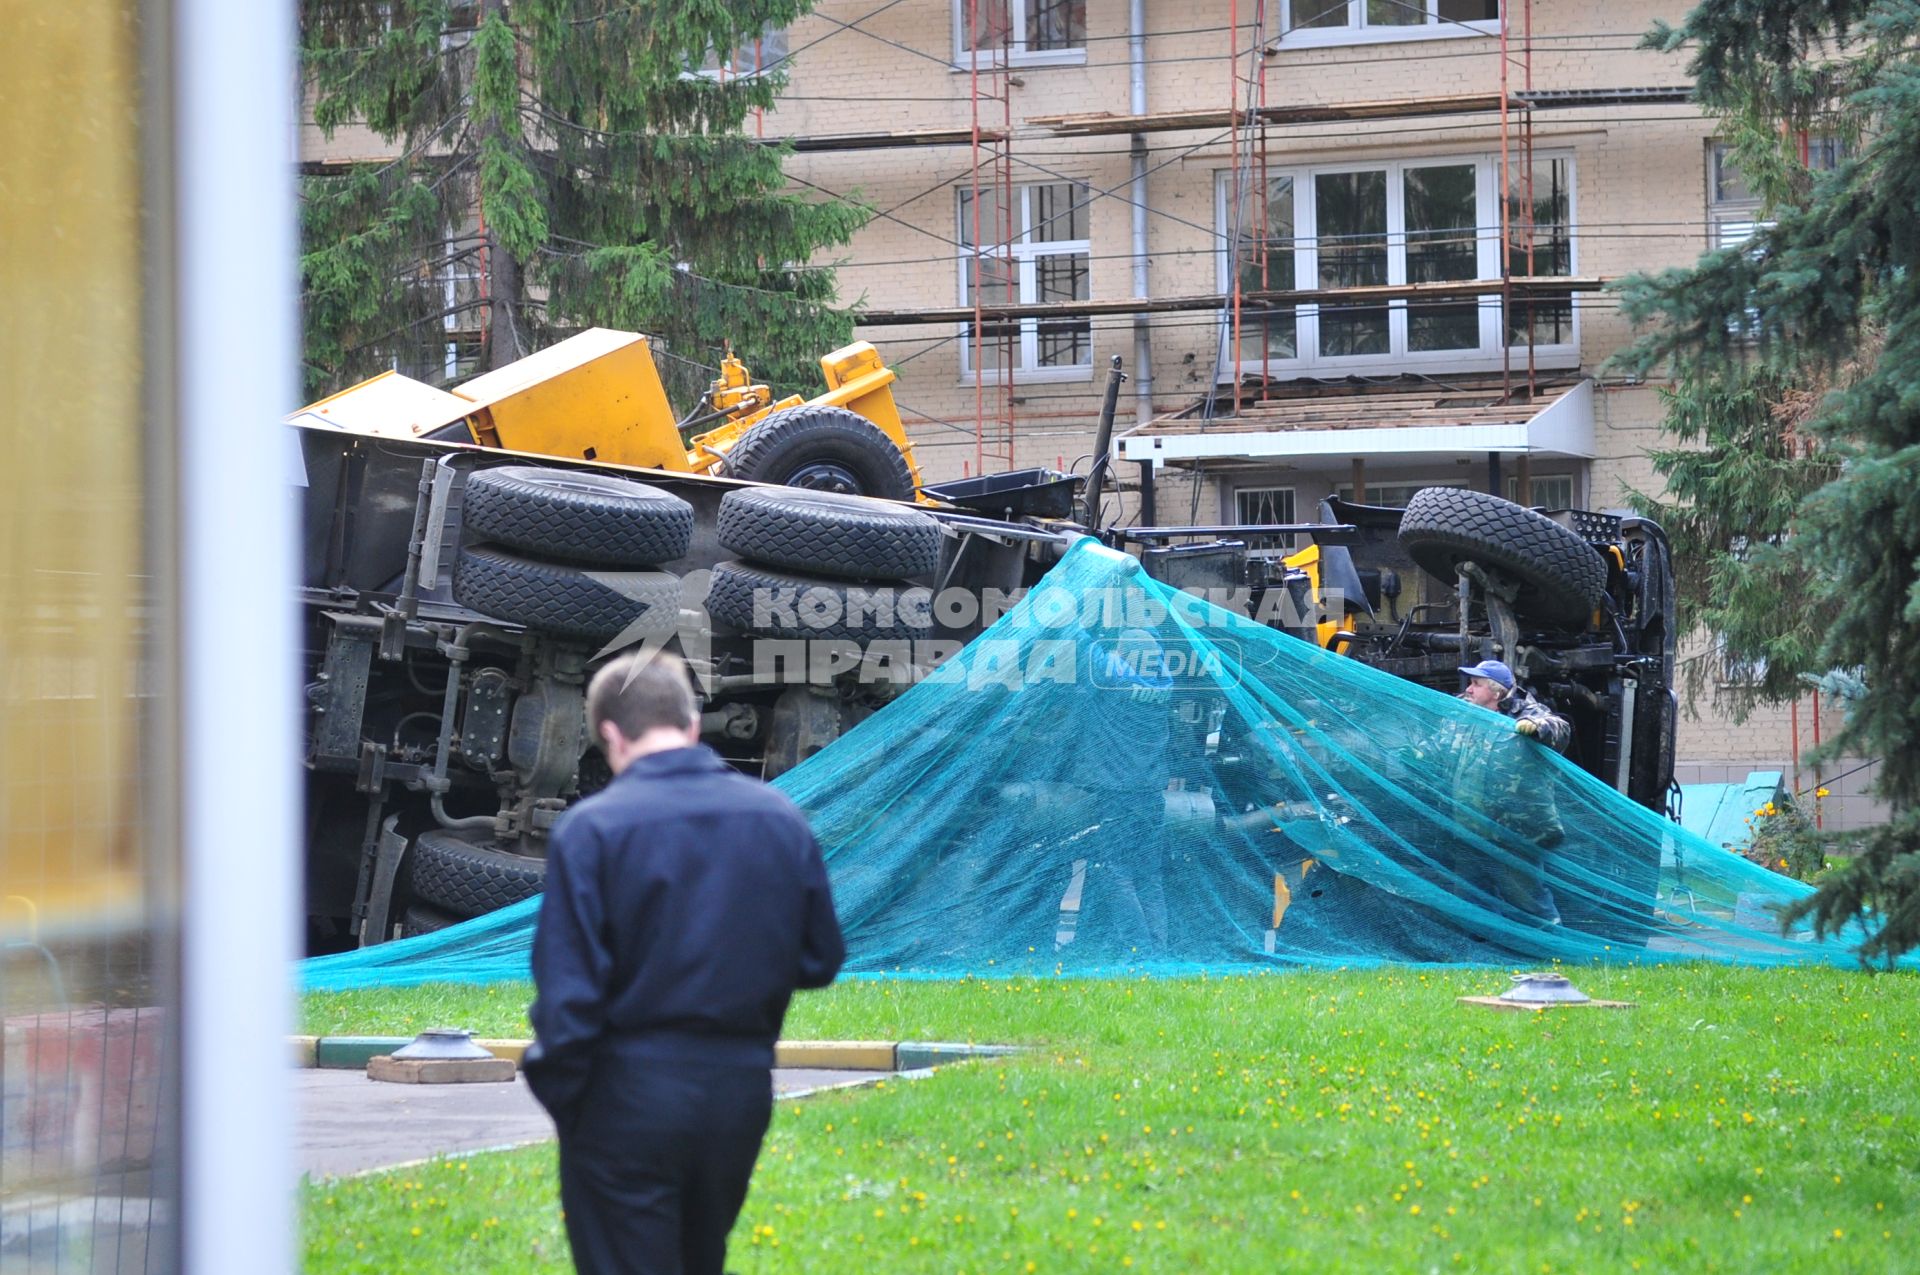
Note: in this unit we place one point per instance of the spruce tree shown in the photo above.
(1733, 487)
(1832, 288)
(570, 153)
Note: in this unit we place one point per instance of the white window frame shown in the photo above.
(1730, 222)
(1017, 52)
(1487, 357)
(1293, 503)
(1571, 479)
(1358, 32)
(1025, 253)
(1345, 490)
(727, 71)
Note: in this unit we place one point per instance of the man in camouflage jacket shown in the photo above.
(1500, 776)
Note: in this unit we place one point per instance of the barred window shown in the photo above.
(1033, 248)
(1022, 31)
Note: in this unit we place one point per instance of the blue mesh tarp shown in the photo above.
(1118, 777)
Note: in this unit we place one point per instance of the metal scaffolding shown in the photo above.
(1247, 120)
(992, 225)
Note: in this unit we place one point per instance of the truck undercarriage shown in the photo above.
(447, 671)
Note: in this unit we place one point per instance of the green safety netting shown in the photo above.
(1119, 777)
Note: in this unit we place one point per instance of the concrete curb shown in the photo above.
(352, 1053)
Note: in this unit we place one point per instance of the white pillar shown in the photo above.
(234, 82)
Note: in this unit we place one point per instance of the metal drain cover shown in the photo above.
(443, 1042)
(1544, 989)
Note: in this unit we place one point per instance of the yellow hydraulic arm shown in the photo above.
(858, 379)
(597, 396)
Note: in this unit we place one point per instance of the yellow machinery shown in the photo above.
(597, 396)
(1308, 560)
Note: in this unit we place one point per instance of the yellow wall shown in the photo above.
(71, 569)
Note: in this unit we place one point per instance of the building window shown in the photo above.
(1391, 495)
(1542, 245)
(1409, 222)
(757, 56)
(440, 344)
(1351, 226)
(1320, 22)
(1733, 215)
(1551, 491)
(1264, 506)
(1264, 247)
(1733, 209)
(1033, 248)
(1737, 672)
(1443, 246)
(1023, 32)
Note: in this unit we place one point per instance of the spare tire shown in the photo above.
(824, 448)
(577, 517)
(829, 534)
(781, 604)
(567, 601)
(424, 918)
(1561, 577)
(468, 878)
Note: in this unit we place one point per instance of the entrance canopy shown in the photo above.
(1429, 426)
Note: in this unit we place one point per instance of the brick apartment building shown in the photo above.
(1081, 161)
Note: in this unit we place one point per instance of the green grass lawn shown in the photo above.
(1737, 1120)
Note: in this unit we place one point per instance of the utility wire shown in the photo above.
(1701, 230)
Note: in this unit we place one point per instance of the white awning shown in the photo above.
(1411, 429)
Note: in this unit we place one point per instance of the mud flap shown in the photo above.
(378, 927)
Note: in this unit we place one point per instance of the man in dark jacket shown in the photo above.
(684, 905)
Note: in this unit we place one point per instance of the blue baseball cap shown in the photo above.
(1493, 671)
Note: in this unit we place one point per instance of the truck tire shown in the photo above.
(828, 534)
(806, 606)
(824, 448)
(573, 602)
(466, 879)
(1561, 577)
(577, 517)
(424, 918)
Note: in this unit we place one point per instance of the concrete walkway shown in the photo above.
(349, 1124)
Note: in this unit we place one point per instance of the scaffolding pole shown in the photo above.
(1518, 216)
(1237, 203)
(990, 182)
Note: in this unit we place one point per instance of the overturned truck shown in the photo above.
(457, 596)
(471, 555)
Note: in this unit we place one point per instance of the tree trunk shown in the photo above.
(504, 343)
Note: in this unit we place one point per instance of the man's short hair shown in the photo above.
(639, 691)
